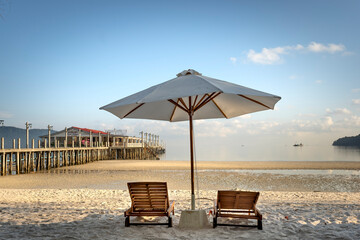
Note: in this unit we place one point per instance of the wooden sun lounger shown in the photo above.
(149, 199)
(237, 204)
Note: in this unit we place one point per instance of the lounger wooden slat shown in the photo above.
(149, 199)
(237, 204)
(238, 216)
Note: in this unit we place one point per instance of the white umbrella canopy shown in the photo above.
(191, 96)
(210, 98)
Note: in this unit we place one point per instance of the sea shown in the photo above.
(267, 153)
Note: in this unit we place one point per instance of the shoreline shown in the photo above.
(114, 174)
(214, 165)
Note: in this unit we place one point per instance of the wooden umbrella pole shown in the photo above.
(192, 164)
(191, 155)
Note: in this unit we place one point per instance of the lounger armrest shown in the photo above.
(171, 208)
(257, 212)
(215, 208)
(127, 212)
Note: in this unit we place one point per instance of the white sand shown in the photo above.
(90, 204)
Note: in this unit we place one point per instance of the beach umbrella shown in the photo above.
(191, 96)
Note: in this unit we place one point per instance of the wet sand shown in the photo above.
(185, 165)
(115, 174)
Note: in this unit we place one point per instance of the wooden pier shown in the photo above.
(19, 160)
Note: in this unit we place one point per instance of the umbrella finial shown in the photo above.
(188, 72)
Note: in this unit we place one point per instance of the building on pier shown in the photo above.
(85, 137)
(77, 136)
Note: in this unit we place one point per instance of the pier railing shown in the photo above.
(19, 160)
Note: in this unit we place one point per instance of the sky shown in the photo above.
(60, 61)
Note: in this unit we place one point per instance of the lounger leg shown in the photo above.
(214, 222)
(127, 221)
(259, 224)
(169, 222)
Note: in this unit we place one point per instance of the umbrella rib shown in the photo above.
(196, 97)
(219, 108)
(200, 100)
(173, 112)
(201, 103)
(184, 104)
(177, 105)
(133, 110)
(253, 100)
(207, 100)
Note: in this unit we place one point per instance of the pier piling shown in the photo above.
(19, 160)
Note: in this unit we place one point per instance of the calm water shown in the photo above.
(268, 153)
(293, 172)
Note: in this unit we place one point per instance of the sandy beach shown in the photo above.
(88, 201)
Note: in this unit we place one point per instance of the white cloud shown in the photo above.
(107, 126)
(348, 53)
(356, 90)
(246, 116)
(269, 56)
(214, 128)
(233, 59)
(311, 115)
(330, 48)
(265, 126)
(238, 124)
(338, 111)
(178, 129)
(318, 81)
(261, 127)
(339, 120)
(352, 121)
(356, 101)
(298, 47)
(333, 121)
(5, 115)
(228, 128)
(314, 126)
(326, 122)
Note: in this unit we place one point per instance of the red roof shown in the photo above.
(91, 130)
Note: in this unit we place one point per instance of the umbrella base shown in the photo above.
(195, 219)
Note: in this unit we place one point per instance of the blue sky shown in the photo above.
(62, 60)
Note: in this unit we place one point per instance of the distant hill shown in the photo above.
(10, 133)
(348, 141)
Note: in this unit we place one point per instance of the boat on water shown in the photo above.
(298, 145)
